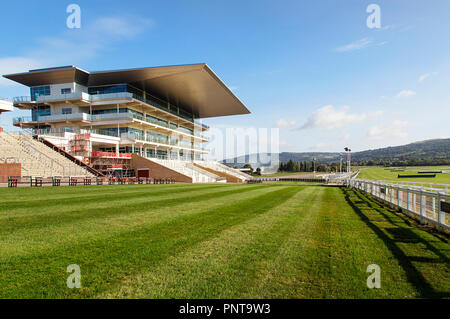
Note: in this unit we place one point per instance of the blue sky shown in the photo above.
(311, 68)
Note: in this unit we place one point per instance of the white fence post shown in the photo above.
(407, 199)
(441, 214)
(421, 205)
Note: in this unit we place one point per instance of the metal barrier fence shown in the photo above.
(426, 205)
(31, 181)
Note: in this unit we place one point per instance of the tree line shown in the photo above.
(307, 166)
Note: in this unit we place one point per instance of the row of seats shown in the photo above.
(36, 158)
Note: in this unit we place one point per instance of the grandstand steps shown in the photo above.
(228, 177)
(181, 171)
(36, 159)
(219, 167)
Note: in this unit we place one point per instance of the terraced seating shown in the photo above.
(216, 166)
(228, 177)
(188, 169)
(36, 158)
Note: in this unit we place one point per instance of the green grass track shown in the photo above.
(278, 240)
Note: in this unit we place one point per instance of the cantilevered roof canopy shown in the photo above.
(193, 87)
(5, 106)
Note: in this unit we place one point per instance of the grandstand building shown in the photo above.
(135, 122)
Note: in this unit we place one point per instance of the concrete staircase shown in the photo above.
(37, 160)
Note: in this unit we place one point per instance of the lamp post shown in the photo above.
(348, 150)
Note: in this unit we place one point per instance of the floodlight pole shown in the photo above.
(348, 150)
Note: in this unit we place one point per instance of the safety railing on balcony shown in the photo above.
(100, 117)
(150, 139)
(153, 101)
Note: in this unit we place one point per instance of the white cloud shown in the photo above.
(328, 117)
(357, 45)
(127, 27)
(387, 132)
(360, 44)
(423, 77)
(285, 145)
(405, 94)
(74, 46)
(283, 123)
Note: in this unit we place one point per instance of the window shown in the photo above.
(107, 89)
(67, 110)
(185, 130)
(39, 91)
(43, 110)
(107, 111)
(66, 91)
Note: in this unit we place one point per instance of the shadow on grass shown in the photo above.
(400, 232)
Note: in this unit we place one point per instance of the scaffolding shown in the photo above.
(81, 146)
(112, 163)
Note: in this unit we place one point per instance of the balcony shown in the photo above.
(159, 141)
(96, 98)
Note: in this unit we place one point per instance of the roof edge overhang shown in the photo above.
(194, 87)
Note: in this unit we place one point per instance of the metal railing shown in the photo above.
(425, 204)
(153, 101)
(150, 139)
(99, 117)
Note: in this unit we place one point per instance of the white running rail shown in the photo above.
(427, 204)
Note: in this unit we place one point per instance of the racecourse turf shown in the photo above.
(391, 174)
(275, 240)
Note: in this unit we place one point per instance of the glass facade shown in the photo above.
(185, 130)
(107, 89)
(157, 137)
(139, 134)
(107, 111)
(156, 120)
(142, 96)
(39, 91)
(40, 111)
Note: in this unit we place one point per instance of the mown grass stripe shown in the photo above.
(34, 204)
(105, 262)
(33, 240)
(12, 195)
(126, 207)
(215, 268)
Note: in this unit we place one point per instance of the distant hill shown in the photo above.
(429, 152)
